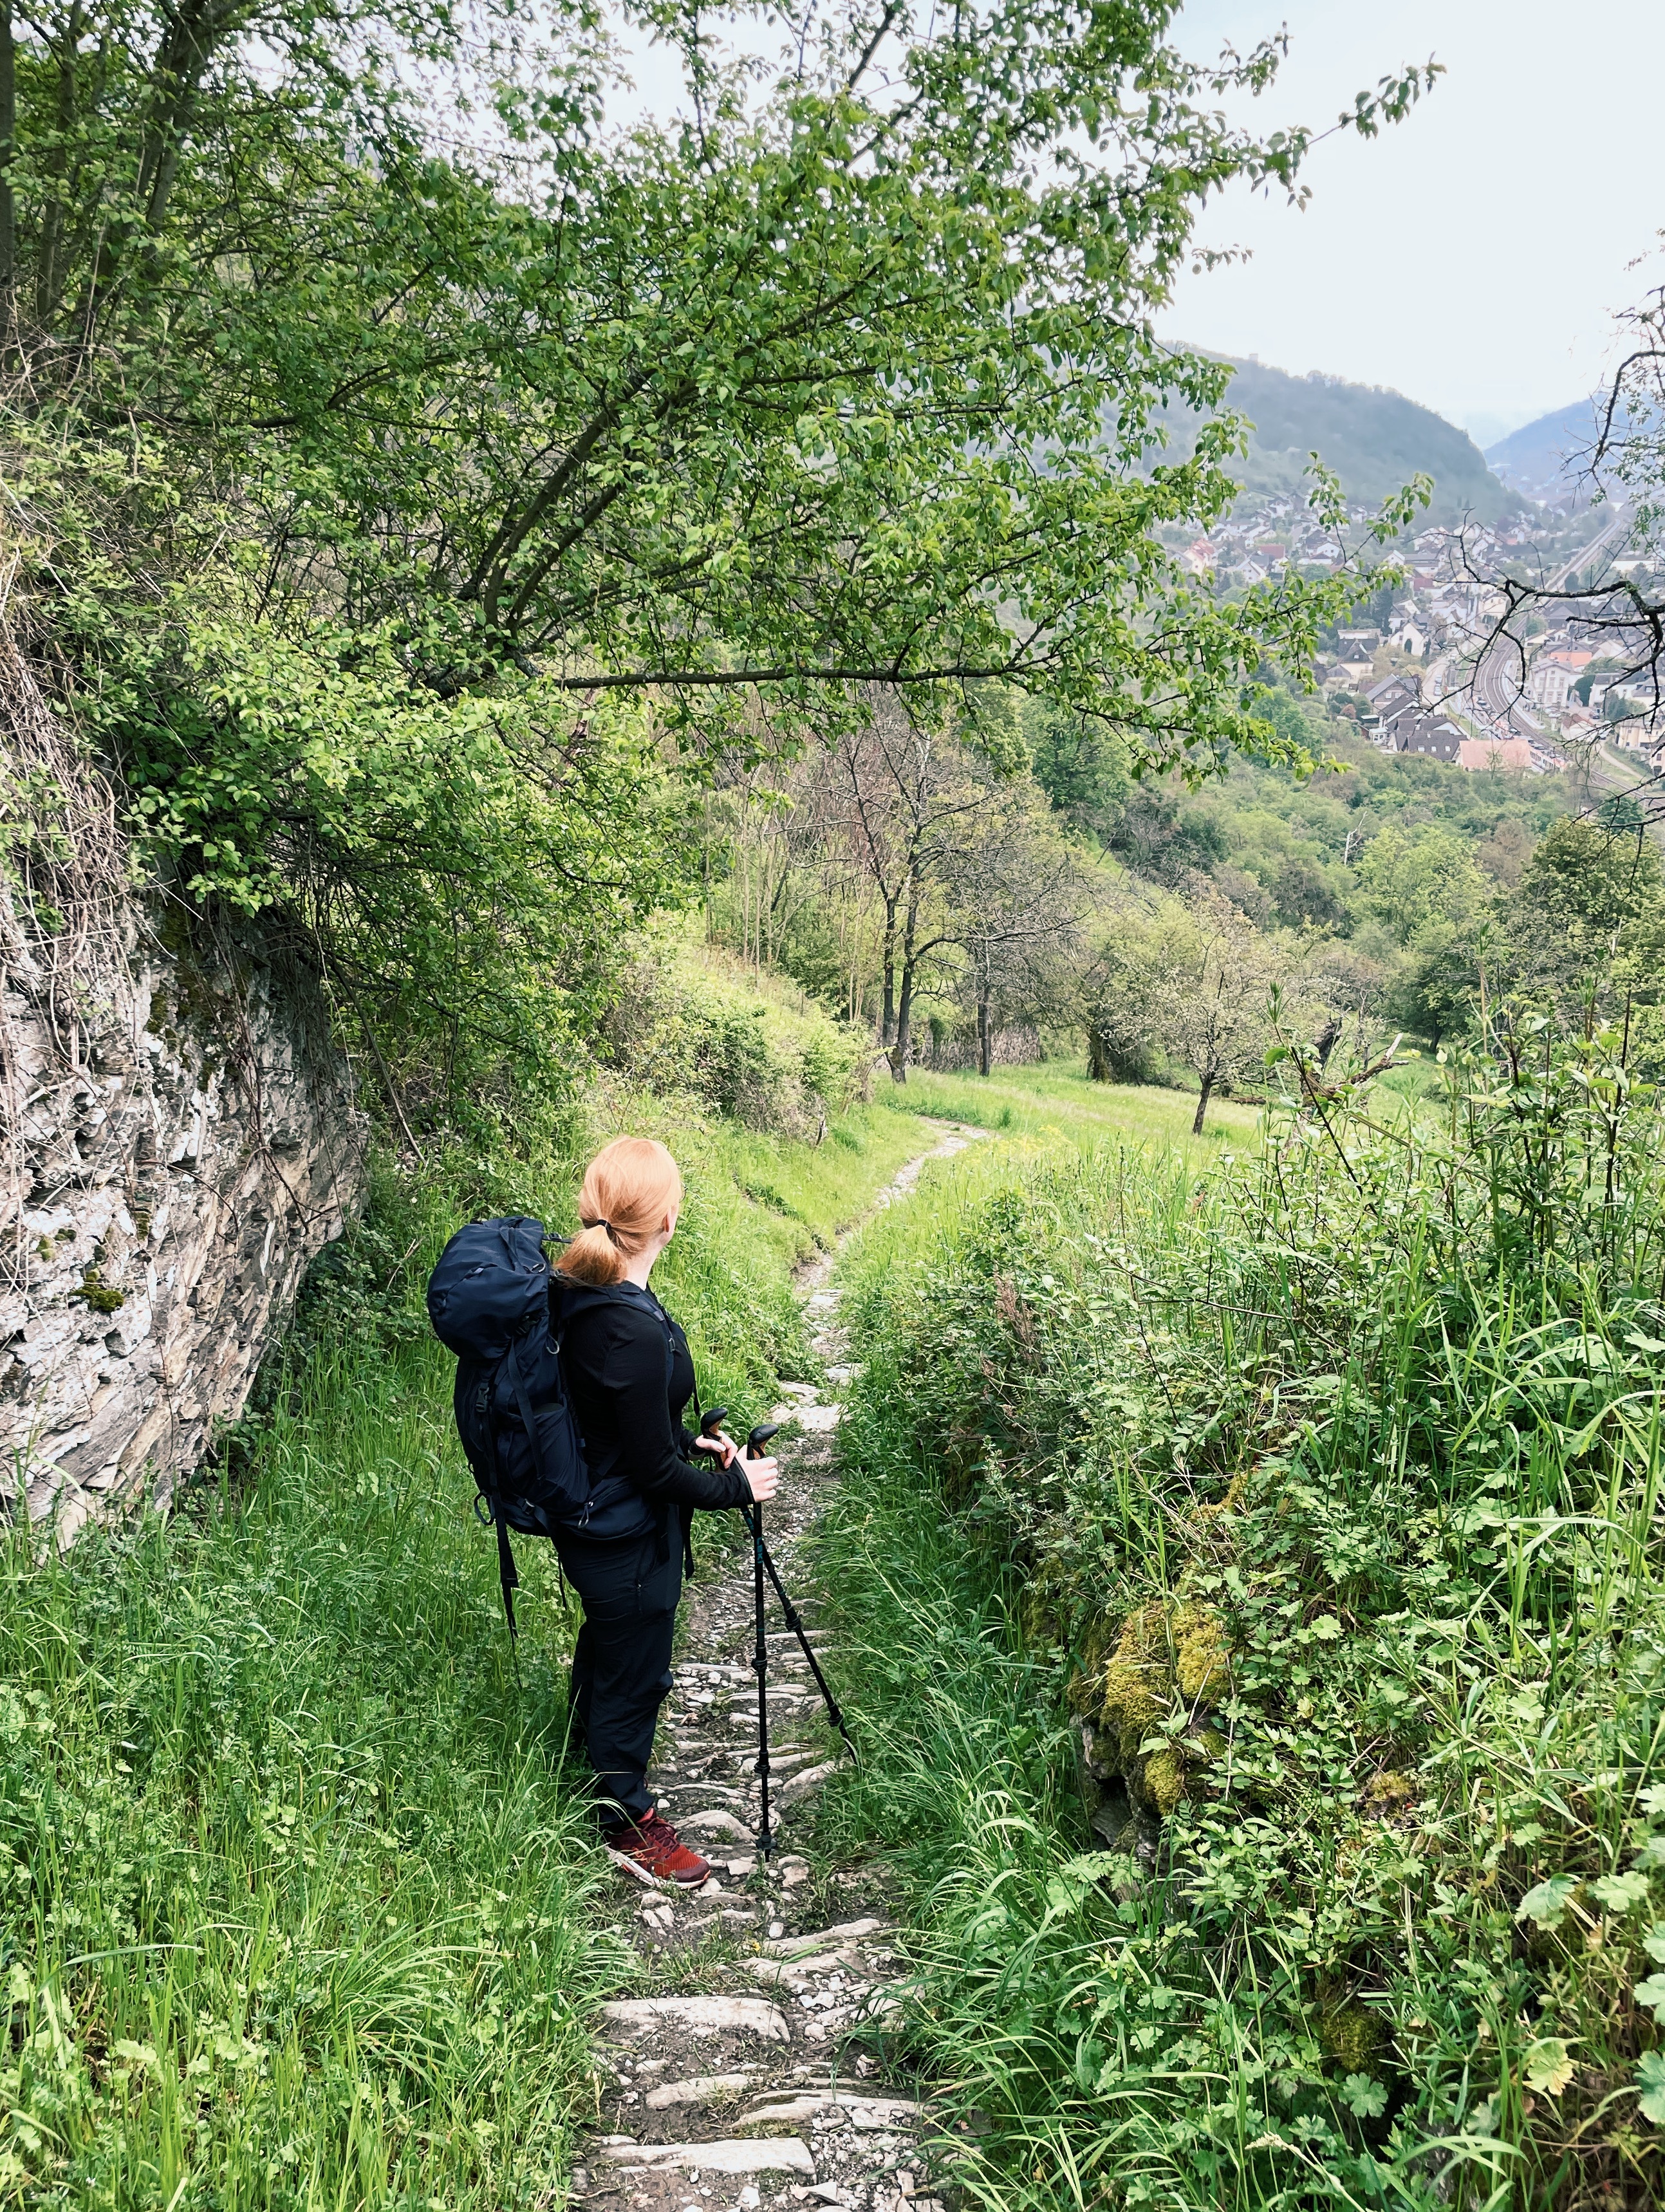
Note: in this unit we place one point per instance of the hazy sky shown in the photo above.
(1473, 256)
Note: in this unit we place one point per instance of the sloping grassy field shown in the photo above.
(1056, 1100)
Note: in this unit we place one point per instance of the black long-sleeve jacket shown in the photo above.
(630, 1375)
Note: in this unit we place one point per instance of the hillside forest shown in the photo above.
(1375, 439)
(674, 625)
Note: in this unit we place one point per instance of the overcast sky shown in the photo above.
(1473, 256)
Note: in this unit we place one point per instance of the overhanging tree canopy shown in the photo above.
(842, 383)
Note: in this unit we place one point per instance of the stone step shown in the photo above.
(867, 2113)
(700, 2089)
(713, 1822)
(769, 2155)
(820, 1939)
(702, 2015)
(781, 1761)
(799, 1785)
(824, 1962)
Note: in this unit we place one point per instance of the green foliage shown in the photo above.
(1650, 2077)
(1593, 898)
(462, 868)
(297, 1903)
(1381, 1402)
(1415, 880)
(739, 1045)
(342, 462)
(1414, 870)
(544, 400)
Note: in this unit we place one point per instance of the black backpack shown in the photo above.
(489, 1302)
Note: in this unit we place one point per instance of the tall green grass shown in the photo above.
(1325, 1493)
(299, 1909)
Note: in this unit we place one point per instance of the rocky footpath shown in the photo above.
(750, 2067)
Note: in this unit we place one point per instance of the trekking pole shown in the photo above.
(794, 1621)
(709, 1426)
(755, 1443)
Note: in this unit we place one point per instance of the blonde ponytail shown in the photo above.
(631, 1189)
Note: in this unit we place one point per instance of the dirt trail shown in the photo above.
(735, 2076)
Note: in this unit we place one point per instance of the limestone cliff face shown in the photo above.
(178, 1141)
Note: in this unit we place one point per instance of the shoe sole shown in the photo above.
(653, 1880)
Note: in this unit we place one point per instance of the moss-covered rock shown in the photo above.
(1353, 2036)
(1137, 1687)
(1170, 1658)
(1165, 1779)
(1202, 1658)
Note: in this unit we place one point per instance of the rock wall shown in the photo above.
(180, 1139)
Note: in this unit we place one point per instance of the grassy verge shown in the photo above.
(1320, 1504)
(298, 1911)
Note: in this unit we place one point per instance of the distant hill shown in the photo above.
(1544, 458)
(1375, 439)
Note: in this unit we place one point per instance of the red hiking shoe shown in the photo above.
(653, 1852)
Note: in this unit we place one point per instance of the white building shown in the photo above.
(1553, 677)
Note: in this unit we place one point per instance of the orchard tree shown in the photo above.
(1189, 978)
(939, 815)
(1212, 1002)
(1021, 894)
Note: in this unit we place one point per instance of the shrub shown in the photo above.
(776, 1063)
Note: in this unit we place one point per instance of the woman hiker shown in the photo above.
(629, 1375)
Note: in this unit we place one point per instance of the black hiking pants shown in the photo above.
(621, 1672)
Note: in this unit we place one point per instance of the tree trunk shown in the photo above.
(904, 1025)
(47, 270)
(905, 1009)
(1202, 1104)
(7, 155)
(983, 1051)
(888, 963)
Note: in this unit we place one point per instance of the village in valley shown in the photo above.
(1442, 667)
